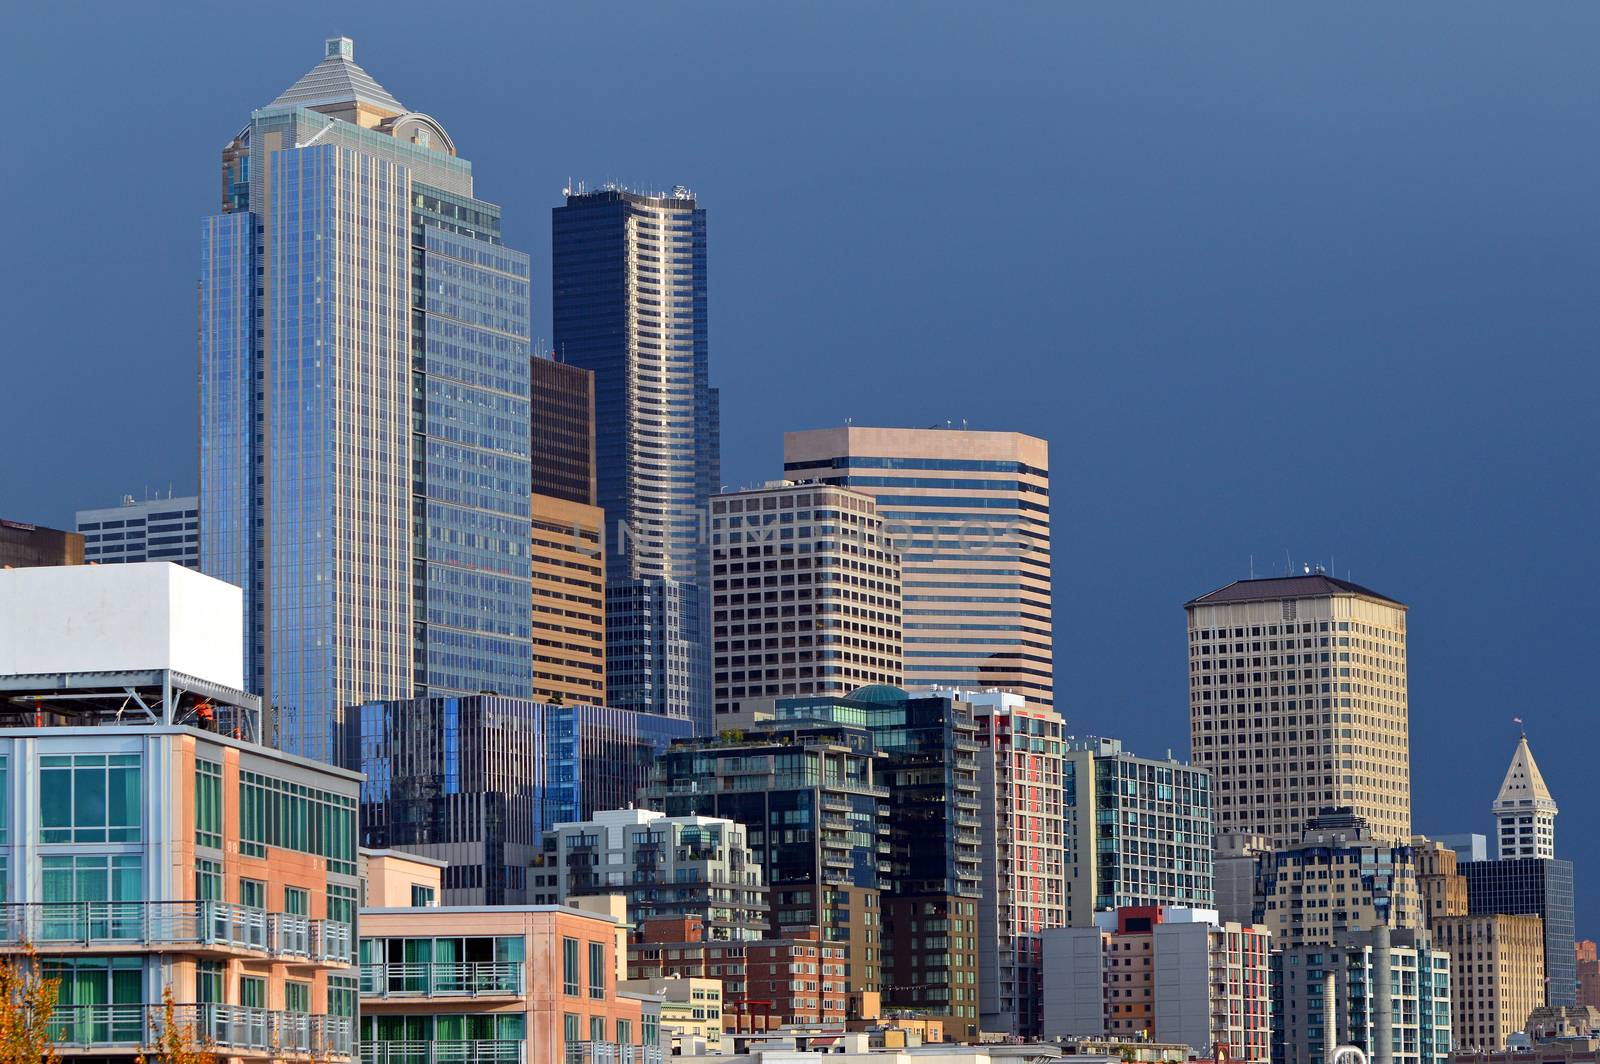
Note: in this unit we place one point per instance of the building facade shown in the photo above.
(969, 513)
(1167, 973)
(1022, 835)
(805, 597)
(691, 1012)
(1138, 831)
(151, 843)
(1588, 965)
(1297, 701)
(165, 530)
(1337, 879)
(1441, 889)
(1532, 886)
(629, 304)
(475, 781)
(1497, 976)
(1524, 811)
(666, 867)
(507, 984)
(1387, 995)
(363, 408)
(23, 546)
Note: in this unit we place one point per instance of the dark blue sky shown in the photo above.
(1269, 278)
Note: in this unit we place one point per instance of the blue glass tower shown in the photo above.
(364, 412)
(629, 282)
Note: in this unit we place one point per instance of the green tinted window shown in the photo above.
(89, 798)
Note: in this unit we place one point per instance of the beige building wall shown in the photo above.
(401, 880)
(569, 601)
(806, 597)
(691, 1008)
(1442, 889)
(1297, 702)
(1497, 976)
(970, 514)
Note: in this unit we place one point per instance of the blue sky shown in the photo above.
(1273, 279)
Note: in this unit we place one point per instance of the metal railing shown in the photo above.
(466, 1052)
(611, 1053)
(227, 1027)
(199, 923)
(441, 979)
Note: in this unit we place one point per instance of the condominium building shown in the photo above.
(1497, 976)
(969, 512)
(679, 947)
(805, 597)
(815, 811)
(1297, 701)
(629, 282)
(350, 275)
(503, 984)
(691, 1012)
(933, 883)
(1022, 836)
(475, 781)
(1524, 811)
(1138, 831)
(156, 530)
(1532, 886)
(23, 545)
(152, 844)
(1386, 993)
(1168, 973)
(569, 565)
(675, 866)
(1338, 878)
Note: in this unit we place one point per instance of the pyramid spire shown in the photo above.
(1524, 810)
(338, 87)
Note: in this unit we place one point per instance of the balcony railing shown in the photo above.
(473, 1052)
(610, 1053)
(173, 923)
(441, 980)
(227, 1027)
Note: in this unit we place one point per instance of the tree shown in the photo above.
(27, 1002)
(174, 1042)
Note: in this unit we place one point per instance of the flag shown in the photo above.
(1517, 721)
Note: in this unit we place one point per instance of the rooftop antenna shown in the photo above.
(1288, 563)
(1252, 566)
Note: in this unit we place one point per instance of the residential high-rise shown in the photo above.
(1387, 993)
(24, 545)
(1524, 812)
(805, 597)
(1537, 886)
(1297, 701)
(969, 513)
(1165, 973)
(363, 408)
(811, 797)
(1020, 760)
(932, 882)
(476, 780)
(569, 566)
(1138, 831)
(629, 303)
(1497, 976)
(157, 530)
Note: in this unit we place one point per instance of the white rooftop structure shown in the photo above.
(1524, 810)
(338, 81)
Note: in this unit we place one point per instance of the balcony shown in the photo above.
(610, 1053)
(233, 1029)
(186, 926)
(473, 1052)
(482, 979)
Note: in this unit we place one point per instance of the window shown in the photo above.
(296, 997)
(89, 984)
(292, 816)
(208, 982)
(342, 995)
(89, 798)
(253, 991)
(342, 904)
(569, 967)
(597, 970)
(252, 893)
(297, 901)
(569, 1025)
(208, 804)
(597, 1028)
(625, 1032)
(207, 879)
(421, 896)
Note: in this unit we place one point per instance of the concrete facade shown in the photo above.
(1497, 973)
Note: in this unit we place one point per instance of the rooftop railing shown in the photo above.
(482, 1051)
(472, 979)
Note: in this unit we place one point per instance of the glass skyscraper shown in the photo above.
(629, 284)
(364, 414)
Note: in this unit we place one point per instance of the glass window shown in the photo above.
(89, 984)
(569, 967)
(296, 997)
(625, 1032)
(253, 991)
(207, 879)
(569, 1026)
(341, 995)
(421, 896)
(89, 798)
(208, 804)
(597, 970)
(208, 982)
(597, 1028)
(253, 893)
(297, 901)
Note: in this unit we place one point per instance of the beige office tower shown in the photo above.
(1297, 702)
(970, 514)
(805, 597)
(1496, 976)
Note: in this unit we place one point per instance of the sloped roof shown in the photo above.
(1267, 589)
(1523, 780)
(338, 80)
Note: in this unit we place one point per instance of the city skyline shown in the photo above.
(1396, 538)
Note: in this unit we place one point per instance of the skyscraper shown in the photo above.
(806, 597)
(24, 545)
(157, 530)
(1524, 811)
(970, 514)
(363, 408)
(629, 282)
(1297, 701)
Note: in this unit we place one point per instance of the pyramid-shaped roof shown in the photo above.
(1523, 780)
(337, 81)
